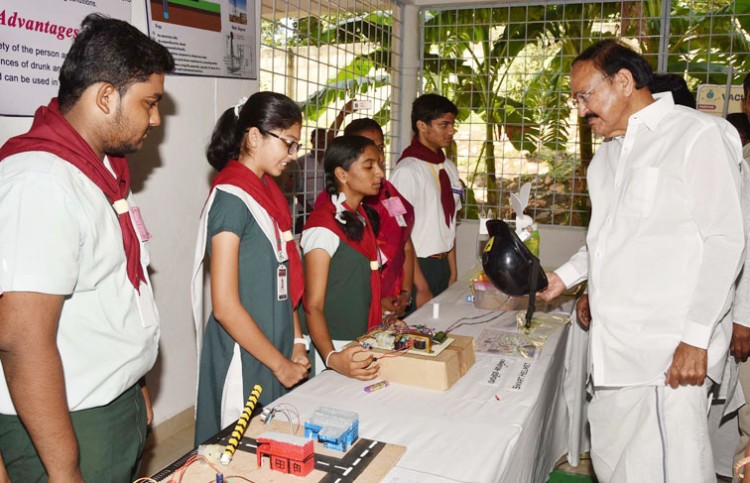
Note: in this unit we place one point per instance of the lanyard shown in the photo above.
(435, 173)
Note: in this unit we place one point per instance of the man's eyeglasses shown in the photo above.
(292, 147)
(583, 98)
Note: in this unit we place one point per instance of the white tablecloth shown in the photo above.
(474, 431)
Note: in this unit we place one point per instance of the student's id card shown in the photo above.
(282, 289)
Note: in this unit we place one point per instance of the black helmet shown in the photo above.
(510, 265)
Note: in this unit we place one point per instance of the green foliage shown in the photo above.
(507, 66)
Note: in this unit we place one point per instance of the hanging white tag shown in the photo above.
(282, 290)
(147, 306)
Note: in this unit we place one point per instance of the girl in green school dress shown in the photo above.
(342, 277)
(253, 335)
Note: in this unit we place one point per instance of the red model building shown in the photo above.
(288, 453)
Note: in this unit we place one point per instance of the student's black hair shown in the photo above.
(265, 111)
(342, 153)
(676, 85)
(364, 124)
(609, 56)
(428, 107)
(746, 85)
(740, 122)
(109, 50)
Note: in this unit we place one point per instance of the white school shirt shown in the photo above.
(418, 181)
(60, 235)
(664, 243)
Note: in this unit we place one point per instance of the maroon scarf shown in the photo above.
(270, 197)
(324, 216)
(420, 151)
(52, 133)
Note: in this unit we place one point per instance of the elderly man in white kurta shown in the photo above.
(662, 252)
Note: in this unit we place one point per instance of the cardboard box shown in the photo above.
(439, 372)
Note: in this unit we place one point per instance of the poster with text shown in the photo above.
(213, 38)
(34, 38)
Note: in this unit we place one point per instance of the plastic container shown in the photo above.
(488, 297)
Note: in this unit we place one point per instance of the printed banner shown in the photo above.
(215, 38)
(34, 38)
(712, 98)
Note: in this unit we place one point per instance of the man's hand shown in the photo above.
(583, 312)
(147, 402)
(689, 366)
(740, 346)
(555, 287)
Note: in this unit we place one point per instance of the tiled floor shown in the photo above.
(158, 455)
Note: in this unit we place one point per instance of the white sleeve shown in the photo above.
(319, 238)
(712, 183)
(406, 182)
(576, 269)
(741, 307)
(40, 237)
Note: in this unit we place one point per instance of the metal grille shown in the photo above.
(507, 68)
(325, 55)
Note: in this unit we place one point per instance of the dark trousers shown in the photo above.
(110, 442)
(437, 272)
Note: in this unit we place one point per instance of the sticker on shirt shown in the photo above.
(282, 290)
(394, 205)
(140, 226)
(396, 209)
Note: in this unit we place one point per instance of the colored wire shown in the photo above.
(398, 352)
(455, 325)
(176, 477)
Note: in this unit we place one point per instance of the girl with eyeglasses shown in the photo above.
(253, 334)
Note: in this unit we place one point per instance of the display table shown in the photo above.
(475, 431)
(508, 419)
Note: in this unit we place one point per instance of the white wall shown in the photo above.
(175, 180)
(170, 181)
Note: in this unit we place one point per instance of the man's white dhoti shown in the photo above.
(651, 434)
